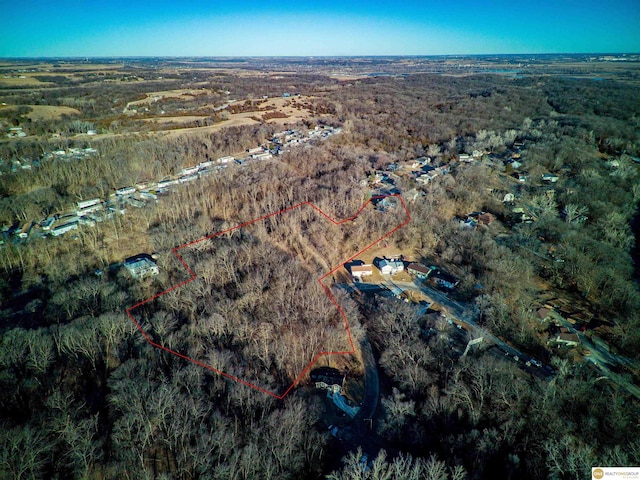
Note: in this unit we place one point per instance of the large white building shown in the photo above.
(141, 266)
(389, 267)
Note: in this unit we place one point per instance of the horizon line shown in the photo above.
(85, 57)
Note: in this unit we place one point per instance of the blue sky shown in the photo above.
(314, 28)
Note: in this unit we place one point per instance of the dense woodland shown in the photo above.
(83, 395)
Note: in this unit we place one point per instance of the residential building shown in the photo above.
(126, 191)
(443, 279)
(486, 218)
(141, 266)
(360, 271)
(389, 267)
(418, 270)
(567, 338)
(543, 314)
(64, 228)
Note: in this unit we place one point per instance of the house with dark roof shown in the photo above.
(141, 266)
(443, 279)
(418, 270)
(566, 338)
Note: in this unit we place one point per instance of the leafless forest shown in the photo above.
(83, 395)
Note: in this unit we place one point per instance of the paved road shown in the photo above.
(600, 356)
(371, 384)
(465, 314)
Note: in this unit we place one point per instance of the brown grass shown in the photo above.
(50, 112)
(20, 82)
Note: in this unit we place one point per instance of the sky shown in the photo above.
(95, 28)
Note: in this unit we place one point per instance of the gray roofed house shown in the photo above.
(141, 266)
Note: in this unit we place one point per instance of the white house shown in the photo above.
(390, 267)
(360, 271)
(189, 171)
(126, 191)
(64, 228)
(141, 266)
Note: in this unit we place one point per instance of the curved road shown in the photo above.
(371, 384)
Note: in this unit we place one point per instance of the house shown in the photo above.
(360, 271)
(328, 375)
(550, 177)
(189, 171)
(141, 266)
(64, 228)
(465, 158)
(521, 177)
(88, 206)
(227, 159)
(251, 151)
(567, 338)
(126, 191)
(543, 314)
(24, 231)
(418, 270)
(427, 177)
(486, 218)
(46, 225)
(261, 156)
(389, 267)
(443, 279)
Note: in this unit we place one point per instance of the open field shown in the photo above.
(17, 81)
(175, 119)
(179, 93)
(44, 112)
(49, 112)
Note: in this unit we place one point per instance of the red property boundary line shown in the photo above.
(320, 280)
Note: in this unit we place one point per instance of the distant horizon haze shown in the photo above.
(231, 57)
(193, 28)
